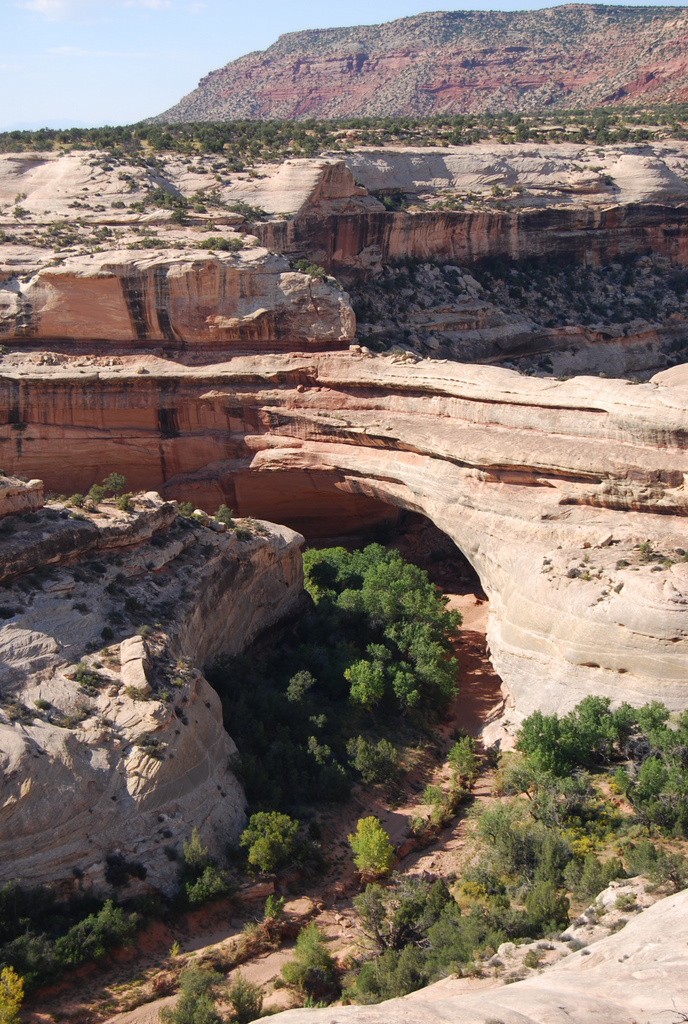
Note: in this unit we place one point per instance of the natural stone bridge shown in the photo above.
(548, 487)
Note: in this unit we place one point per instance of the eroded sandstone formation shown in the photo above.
(112, 747)
(97, 280)
(252, 302)
(17, 496)
(548, 487)
(129, 271)
(556, 200)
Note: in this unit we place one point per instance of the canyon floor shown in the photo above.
(93, 993)
(89, 993)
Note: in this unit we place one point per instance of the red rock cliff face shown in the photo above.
(175, 421)
(575, 55)
(248, 302)
(555, 208)
(350, 243)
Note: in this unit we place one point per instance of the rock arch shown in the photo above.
(539, 484)
(548, 487)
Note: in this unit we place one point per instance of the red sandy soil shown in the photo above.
(329, 900)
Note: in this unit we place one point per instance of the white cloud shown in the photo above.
(52, 9)
(152, 5)
(197, 8)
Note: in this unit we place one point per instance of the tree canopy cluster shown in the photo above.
(199, 990)
(650, 752)
(373, 651)
(41, 937)
(560, 838)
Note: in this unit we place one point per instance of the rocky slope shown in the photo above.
(164, 252)
(637, 974)
(123, 360)
(456, 61)
(112, 747)
(622, 319)
(548, 487)
(489, 202)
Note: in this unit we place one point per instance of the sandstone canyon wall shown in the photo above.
(120, 360)
(95, 280)
(548, 487)
(109, 760)
(247, 302)
(634, 201)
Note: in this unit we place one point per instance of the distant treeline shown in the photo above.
(246, 142)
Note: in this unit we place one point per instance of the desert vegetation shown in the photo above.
(586, 798)
(557, 837)
(409, 302)
(401, 628)
(340, 699)
(243, 143)
(369, 661)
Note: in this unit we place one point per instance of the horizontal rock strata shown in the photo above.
(245, 302)
(555, 201)
(454, 62)
(128, 273)
(548, 487)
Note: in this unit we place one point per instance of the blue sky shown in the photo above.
(117, 61)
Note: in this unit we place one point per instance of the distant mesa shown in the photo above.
(577, 55)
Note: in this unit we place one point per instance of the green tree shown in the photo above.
(313, 969)
(201, 880)
(96, 494)
(394, 974)
(402, 912)
(463, 762)
(299, 685)
(224, 515)
(196, 1003)
(538, 738)
(376, 762)
(398, 615)
(274, 908)
(546, 906)
(367, 680)
(196, 857)
(92, 937)
(246, 1000)
(269, 837)
(114, 482)
(373, 852)
(11, 995)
